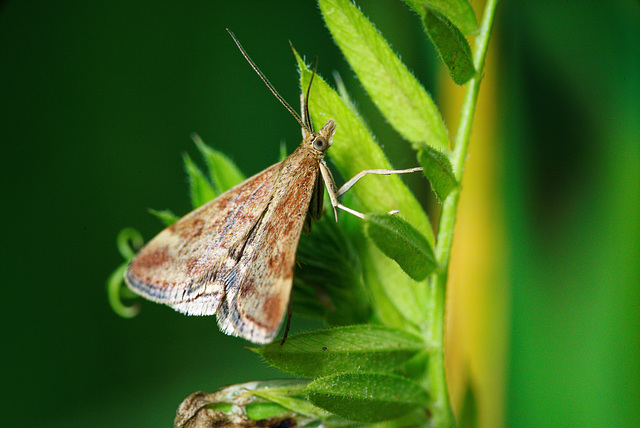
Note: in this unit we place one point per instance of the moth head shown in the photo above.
(323, 139)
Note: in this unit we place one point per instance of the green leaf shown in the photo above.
(437, 168)
(367, 397)
(398, 300)
(394, 90)
(451, 45)
(364, 347)
(199, 186)
(400, 241)
(283, 398)
(223, 171)
(459, 12)
(167, 217)
(346, 99)
(259, 411)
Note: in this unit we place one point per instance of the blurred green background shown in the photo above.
(97, 102)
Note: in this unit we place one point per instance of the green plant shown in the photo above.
(381, 281)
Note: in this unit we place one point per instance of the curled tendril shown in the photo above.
(129, 240)
(116, 290)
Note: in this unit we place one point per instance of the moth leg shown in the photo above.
(334, 194)
(349, 184)
(288, 326)
(349, 210)
(330, 183)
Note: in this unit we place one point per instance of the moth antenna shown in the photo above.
(306, 98)
(303, 115)
(266, 82)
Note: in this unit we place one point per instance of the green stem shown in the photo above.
(436, 377)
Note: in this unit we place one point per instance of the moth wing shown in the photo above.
(259, 286)
(184, 266)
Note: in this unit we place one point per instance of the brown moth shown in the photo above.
(234, 256)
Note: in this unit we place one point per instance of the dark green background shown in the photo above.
(97, 101)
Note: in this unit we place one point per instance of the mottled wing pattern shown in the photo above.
(181, 266)
(235, 255)
(258, 288)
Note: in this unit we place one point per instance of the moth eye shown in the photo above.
(320, 144)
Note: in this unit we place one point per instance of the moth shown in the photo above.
(234, 256)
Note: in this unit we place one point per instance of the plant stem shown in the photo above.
(436, 377)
